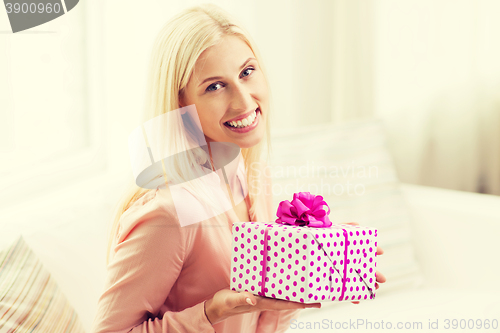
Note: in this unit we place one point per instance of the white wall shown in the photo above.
(437, 85)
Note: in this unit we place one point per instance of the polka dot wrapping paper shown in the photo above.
(304, 264)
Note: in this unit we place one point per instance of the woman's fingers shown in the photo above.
(351, 223)
(379, 250)
(379, 277)
(355, 302)
(278, 304)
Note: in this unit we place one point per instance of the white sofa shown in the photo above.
(455, 235)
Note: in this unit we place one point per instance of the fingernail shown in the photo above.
(249, 301)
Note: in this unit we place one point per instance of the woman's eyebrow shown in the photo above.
(220, 77)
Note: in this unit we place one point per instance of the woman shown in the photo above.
(166, 277)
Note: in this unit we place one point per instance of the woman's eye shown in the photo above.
(209, 88)
(248, 69)
(213, 85)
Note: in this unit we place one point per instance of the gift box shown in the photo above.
(304, 258)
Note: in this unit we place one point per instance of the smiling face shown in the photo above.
(230, 93)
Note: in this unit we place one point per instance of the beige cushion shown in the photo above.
(350, 165)
(30, 300)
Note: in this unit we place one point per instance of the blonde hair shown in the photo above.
(175, 51)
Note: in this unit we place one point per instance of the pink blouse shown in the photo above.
(160, 273)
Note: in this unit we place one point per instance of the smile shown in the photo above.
(246, 124)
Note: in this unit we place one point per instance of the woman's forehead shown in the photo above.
(224, 58)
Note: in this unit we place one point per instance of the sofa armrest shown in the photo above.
(455, 235)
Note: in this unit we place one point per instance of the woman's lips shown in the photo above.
(248, 128)
(242, 116)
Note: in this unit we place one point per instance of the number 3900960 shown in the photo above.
(32, 8)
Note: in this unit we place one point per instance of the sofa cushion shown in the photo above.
(349, 164)
(30, 299)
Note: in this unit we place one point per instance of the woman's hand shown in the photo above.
(379, 277)
(226, 303)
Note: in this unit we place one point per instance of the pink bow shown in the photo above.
(305, 209)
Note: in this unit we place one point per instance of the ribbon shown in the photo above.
(264, 262)
(346, 242)
(305, 209)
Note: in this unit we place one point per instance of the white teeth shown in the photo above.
(244, 122)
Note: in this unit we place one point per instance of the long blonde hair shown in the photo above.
(175, 51)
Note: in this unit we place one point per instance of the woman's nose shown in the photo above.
(242, 98)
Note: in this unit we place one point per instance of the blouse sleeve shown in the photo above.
(148, 258)
(276, 321)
